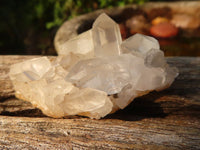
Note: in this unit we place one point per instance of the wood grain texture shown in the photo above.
(169, 119)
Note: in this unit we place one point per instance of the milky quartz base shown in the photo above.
(96, 73)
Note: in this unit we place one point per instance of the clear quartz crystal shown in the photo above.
(30, 70)
(82, 44)
(106, 37)
(109, 74)
(95, 75)
(155, 58)
(89, 101)
(139, 44)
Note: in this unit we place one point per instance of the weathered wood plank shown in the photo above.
(169, 119)
(154, 133)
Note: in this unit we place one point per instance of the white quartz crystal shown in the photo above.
(139, 44)
(97, 73)
(106, 37)
(82, 44)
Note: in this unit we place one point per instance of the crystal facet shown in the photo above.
(95, 75)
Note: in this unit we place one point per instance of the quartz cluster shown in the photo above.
(95, 73)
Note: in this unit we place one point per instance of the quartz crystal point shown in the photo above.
(106, 37)
(82, 44)
(139, 44)
(97, 73)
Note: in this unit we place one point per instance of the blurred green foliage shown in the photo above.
(25, 23)
(66, 9)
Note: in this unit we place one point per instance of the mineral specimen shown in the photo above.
(97, 73)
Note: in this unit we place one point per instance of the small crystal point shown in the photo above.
(90, 102)
(30, 70)
(139, 44)
(155, 58)
(106, 37)
(82, 44)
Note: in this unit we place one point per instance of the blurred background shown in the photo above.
(28, 27)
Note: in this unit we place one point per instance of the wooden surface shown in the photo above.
(169, 119)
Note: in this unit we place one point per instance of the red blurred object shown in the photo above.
(123, 31)
(164, 30)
